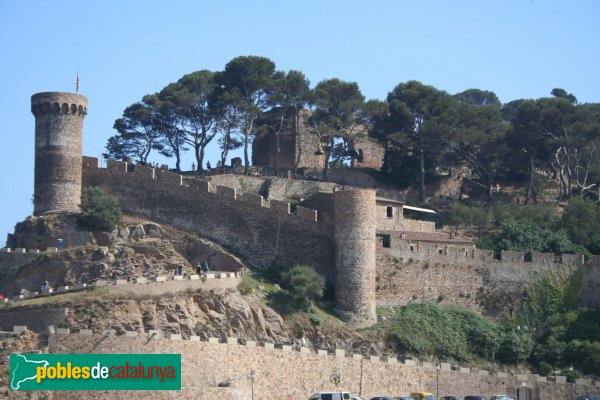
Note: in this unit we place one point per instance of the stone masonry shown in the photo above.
(58, 139)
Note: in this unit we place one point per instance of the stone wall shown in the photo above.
(413, 271)
(355, 227)
(258, 230)
(371, 153)
(286, 373)
(35, 320)
(58, 143)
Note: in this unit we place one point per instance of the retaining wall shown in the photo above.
(285, 372)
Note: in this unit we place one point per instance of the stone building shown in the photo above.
(58, 144)
(283, 151)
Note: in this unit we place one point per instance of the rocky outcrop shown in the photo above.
(136, 248)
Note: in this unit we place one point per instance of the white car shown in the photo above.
(501, 397)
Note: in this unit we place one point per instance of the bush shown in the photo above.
(446, 332)
(100, 211)
(304, 283)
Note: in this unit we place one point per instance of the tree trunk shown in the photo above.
(421, 176)
(327, 155)
(531, 175)
(297, 141)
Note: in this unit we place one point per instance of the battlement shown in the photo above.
(441, 252)
(260, 230)
(161, 178)
(58, 103)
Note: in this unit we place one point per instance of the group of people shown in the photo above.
(208, 166)
(201, 268)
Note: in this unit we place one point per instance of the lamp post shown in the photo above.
(571, 379)
(252, 379)
(438, 366)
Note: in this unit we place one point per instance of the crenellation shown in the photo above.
(483, 255)
(513, 256)
(116, 166)
(543, 258)
(143, 172)
(574, 259)
(306, 214)
(252, 199)
(226, 192)
(167, 178)
(280, 207)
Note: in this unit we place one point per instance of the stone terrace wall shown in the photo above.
(422, 271)
(284, 373)
(259, 230)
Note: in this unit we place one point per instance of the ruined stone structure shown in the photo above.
(284, 150)
(58, 138)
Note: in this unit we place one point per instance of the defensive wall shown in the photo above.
(37, 317)
(264, 231)
(290, 372)
(260, 230)
(420, 271)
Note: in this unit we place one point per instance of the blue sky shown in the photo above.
(126, 49)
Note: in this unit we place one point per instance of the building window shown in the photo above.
(440, 251)
(390, 212)
(412, 248)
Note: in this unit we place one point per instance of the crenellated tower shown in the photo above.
(355, 244)
(58, 147)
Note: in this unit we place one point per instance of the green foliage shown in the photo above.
(447, 332)
(527, 236)
(582, 222)
(554, 293)
(545, 369)
(304, 283)
(316, 321)
(565, 335)
(100, 211)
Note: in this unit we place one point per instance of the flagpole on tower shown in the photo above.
(77, 83)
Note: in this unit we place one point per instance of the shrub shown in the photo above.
(100, 211)
(315, 320)
(304, 283)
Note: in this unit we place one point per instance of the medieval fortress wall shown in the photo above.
(284, 371)
(342, 246)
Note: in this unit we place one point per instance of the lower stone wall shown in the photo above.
(35, 320)
(290, 374)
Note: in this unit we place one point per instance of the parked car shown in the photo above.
(331, 396)
(356, 398)
(589, 397)
(451, 398)
(475, 398)
(391, 398)
(501, 397)
(422, 396)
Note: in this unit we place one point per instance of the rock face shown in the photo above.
(136, 248)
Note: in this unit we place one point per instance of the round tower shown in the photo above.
(58, 137)
(355, 228)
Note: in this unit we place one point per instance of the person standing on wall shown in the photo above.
(205, 267)
(198, 269)
(208, 168)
